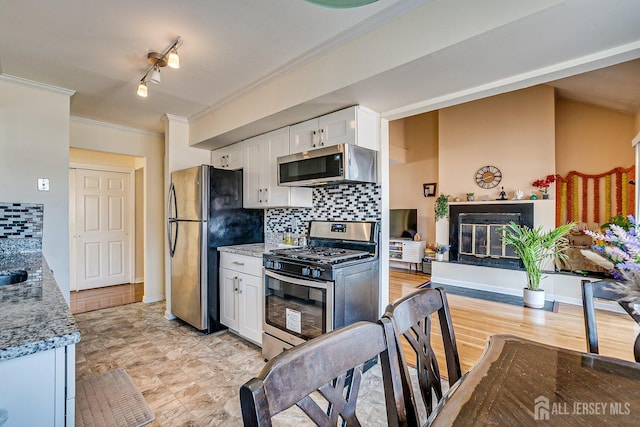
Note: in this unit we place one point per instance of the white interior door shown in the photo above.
(103, 204)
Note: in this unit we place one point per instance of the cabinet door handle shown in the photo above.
(235, 284)
(314, 138)
(265, 195)
(260, 195)
(240, 285)
(238, 263)
(321, 137)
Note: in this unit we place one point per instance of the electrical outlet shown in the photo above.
(43, 184)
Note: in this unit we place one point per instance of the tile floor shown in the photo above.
(187, 378)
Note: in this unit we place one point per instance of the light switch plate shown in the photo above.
(43, 184)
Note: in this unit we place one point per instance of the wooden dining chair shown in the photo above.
(603, 290)
(331, 364)
(411, 319)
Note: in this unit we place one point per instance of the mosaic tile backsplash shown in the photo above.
(21, 226)
(343, 202)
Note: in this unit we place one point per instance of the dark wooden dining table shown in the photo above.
(519, 382)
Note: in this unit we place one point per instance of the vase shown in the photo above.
(545, 195)
(439, 257)
(533, 299)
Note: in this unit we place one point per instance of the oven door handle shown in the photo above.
(301, 282)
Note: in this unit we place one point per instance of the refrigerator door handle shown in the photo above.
(172, 244)
(170, 221)
(172, 197)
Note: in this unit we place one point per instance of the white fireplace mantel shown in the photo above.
(559, 287)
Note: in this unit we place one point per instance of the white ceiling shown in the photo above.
(99, 49)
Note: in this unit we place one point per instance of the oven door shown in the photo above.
(296, 310)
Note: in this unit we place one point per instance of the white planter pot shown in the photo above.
(439, 257)
(533, 299)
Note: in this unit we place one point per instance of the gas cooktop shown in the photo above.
(321, 254)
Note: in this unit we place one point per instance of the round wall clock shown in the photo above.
(488, 176)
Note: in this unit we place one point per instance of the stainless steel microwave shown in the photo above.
(328, 165)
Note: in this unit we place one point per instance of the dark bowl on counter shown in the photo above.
(12, 276)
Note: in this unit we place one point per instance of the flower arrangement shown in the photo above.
(441, 249)
(621, 255)
(543, 184)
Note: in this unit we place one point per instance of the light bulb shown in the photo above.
(174, 60)
(155, 76)
(142, 89)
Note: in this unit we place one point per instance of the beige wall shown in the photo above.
(100, 158)
(513, 131)
(139, 221)
(418, 136)
(90, 135)
(34, 143)
(592, 139)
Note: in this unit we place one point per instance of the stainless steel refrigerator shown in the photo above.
(204, 212)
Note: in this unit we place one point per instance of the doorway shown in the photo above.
(106, 213)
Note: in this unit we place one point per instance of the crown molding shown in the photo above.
(173, 118)
(115, 126)
(397, 9)
(37, 85)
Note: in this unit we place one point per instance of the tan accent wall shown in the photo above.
(418, 137)
(513, 131)
(592, 139)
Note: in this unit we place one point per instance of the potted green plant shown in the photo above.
(534, 247)
(441, 207)
(470, 197)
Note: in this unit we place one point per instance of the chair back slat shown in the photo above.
(322, 365)
(411, 319)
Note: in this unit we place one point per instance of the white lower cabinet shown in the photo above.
(241, 295)
(32, 389)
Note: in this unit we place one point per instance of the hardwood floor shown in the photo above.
(109, 296)
(474, 320)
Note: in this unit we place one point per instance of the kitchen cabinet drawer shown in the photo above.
(241, 263)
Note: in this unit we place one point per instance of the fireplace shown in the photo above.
(474, 233)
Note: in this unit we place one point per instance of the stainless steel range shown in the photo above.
(331, 283)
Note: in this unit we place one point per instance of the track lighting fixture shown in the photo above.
(157, 60)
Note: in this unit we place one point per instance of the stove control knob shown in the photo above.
(315, 273)
(277, 265)
(306, 271)
(268, 264)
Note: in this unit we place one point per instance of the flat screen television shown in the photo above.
(403, 223)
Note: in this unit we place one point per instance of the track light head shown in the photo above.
(173, 59)
(155, 75)
(142, 89)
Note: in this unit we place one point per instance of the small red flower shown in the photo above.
(543, 184)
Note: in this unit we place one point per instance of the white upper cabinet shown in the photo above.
(354, 125)
(260, 173)
(230, 157)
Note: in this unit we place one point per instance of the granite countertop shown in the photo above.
(34, 315)
(253, 249)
